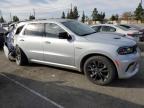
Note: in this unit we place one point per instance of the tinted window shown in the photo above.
(128, 27)
(122, 28)
(19, 30)
(34, 30)
(97, 28)
(108, 29)
(79, 28)
(53, 30)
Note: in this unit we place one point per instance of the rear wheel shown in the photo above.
(99, 70)
(21, 59)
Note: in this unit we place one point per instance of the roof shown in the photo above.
(112, 25)
(48, 20)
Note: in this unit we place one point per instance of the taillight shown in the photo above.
(130, 34)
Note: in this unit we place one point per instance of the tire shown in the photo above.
(21, 58)
(99, 70)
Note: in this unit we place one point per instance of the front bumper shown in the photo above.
(128, 65)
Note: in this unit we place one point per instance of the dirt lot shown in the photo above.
(39, 86)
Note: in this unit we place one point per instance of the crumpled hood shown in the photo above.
(110, 38)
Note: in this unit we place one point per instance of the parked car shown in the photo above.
(134, 27)
(4, 26)
(2, 36)
(74, 45)
(131, 34)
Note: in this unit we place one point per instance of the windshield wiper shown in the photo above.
(88, 33)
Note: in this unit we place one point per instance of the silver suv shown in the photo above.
(74, 45)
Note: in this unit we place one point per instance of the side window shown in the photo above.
(34, 30)
(19, 30)
(53, 30)
(97, 28)
(108, 29)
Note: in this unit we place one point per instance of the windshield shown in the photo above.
(123, 28)
(79, 28)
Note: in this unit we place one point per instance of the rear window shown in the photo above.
(35, 29)
(97, 28)
(19, 30)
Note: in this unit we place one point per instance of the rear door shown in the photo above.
(31, 41)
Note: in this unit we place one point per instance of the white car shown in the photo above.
(131, 34)
(4, 26)
(71, 44)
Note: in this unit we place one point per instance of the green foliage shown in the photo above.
(139, 12)
(31, 17)
(75, 13)
(71, 16)
(114, 17)
(63, 15)
(15, 19)
(68, 15)
(94, 14)
(2, 20)
(100, 17)
(83, 17)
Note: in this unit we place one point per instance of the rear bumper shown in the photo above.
(128, 65)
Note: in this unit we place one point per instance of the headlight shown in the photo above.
(127, 50)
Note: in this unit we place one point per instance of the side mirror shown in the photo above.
(64, 35)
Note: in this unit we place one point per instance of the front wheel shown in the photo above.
(99, 70)
(21, 59)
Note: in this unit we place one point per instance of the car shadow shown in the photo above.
(136, 81)
(54, 67)
(69, 97)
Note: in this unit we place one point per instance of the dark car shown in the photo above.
(3, 32)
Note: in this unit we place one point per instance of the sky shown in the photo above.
(53, 8)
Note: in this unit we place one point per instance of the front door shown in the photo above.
(57, 51)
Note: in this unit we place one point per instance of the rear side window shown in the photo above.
(97, 28)
(108, 29)
(34, 30)
(19, 30)
(53, 30)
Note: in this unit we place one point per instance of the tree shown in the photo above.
(75, 13)
(139, 12)
(15, 19)
(63, 15)
(2, 20)
(83, 17)
(68, 15)
(31, 17)
(126, 15)
(101, 17)
(71, 15)
(94, 14)
(116, 17)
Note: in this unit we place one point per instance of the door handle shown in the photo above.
(47, 42)
(22, 40)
